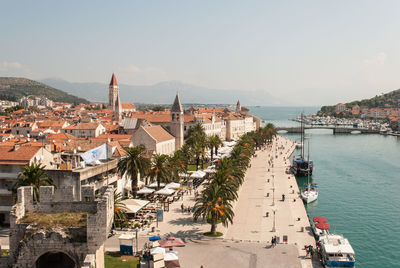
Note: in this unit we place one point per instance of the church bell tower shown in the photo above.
(114, 102)
(177, 122)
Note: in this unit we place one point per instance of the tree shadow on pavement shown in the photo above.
(186, 221)
(193, 235)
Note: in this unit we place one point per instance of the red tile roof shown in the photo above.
(128, 106)
(21, 156)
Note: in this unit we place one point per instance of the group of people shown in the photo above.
(186, 209)
(310, 251)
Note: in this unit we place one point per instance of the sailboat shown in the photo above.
(310, 191)
(300, 166)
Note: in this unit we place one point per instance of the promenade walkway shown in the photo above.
(261, 193)
(246, 243)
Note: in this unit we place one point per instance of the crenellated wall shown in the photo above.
(27, 243)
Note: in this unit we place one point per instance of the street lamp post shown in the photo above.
(274, 209)
(137, 242)
(273, 189)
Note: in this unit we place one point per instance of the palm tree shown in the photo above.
(133, 164)
(212, 204)
(160, 169)
(119, 210)
(214, 142)
(33, 175)
(199, 153)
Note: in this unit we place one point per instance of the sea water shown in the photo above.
(358, 176)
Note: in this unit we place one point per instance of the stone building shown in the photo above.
(156, 140)
(40, 244)
(12, 162)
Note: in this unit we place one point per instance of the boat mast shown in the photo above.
(302, 137)
(308, 165)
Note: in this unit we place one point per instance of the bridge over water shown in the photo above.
(335, 129)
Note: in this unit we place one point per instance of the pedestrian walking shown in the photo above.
(272, 242)
(182, 207)
(311, 251)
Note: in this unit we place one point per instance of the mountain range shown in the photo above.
(164, 93)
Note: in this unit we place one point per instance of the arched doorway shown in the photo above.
(55, 259)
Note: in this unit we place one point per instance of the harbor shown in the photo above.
(357, 183)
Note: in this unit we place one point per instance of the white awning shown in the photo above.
(145, 190)
(154, 185)
(165, 191)
(134, 205)
(198, 174)
(173, 185)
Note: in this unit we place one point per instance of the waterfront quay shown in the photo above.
(261, 212)
(247, 242)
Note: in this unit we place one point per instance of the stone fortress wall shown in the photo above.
(83, 245)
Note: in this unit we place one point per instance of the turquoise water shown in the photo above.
(359, 187)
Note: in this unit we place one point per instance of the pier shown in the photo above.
(335, 129)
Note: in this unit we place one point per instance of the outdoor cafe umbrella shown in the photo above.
(198, 174)
(145, 190)
(171, 242)
(154, 185)
(173, 185)
(165, 191)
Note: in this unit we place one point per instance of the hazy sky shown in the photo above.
(313, 52)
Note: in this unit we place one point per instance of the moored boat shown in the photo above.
(336, 251)
(300, 166)
(309, 193)
(320, 227)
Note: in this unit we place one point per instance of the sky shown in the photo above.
(307, 52)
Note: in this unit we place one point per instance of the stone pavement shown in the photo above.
(262, 192)
(244, 242)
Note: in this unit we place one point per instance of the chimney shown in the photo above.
(16, 147)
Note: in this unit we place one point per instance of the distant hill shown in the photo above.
(164, 93)
(14, 88)
(387, 100)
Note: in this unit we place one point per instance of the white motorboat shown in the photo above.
(336, 251)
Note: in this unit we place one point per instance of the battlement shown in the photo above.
(27, 244)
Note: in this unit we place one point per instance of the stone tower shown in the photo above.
(177, 122)
(114, 102)
(238, 107)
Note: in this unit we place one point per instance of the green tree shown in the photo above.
(160, 169)
(211, 204)
(120, 215)
(133, 164)
(33, 175)
(214, 142)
